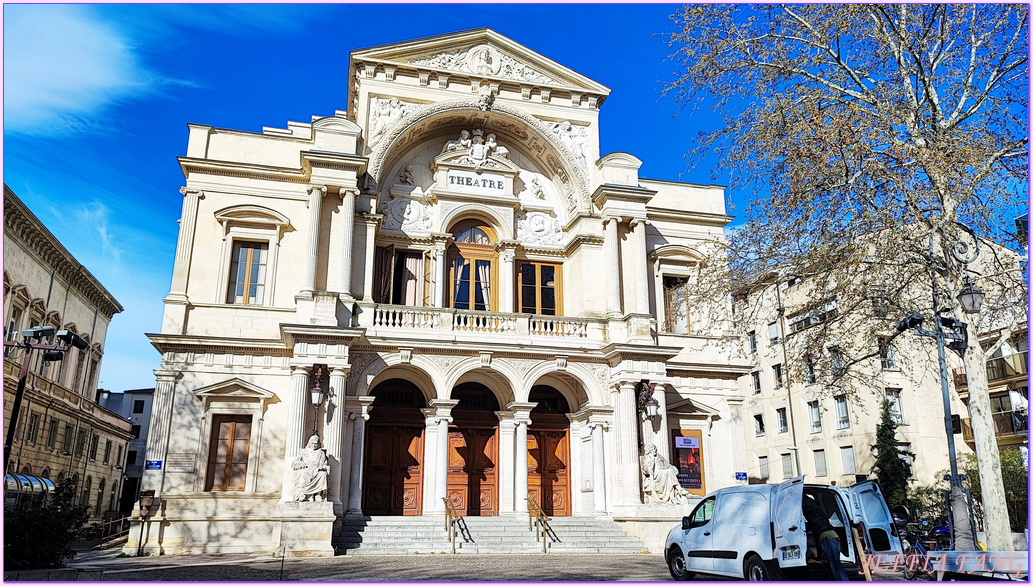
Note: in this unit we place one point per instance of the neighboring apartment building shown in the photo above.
(134, 405)
(791, 402)
(1008, 374)
(477, 293)
(62, 432)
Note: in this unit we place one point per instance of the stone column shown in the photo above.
(344, 271)
(612, 259)
(295, 436)
(507, 462)
(627, 440)
(158, 436)
(506, 276)
(358, 442)
(371, 251)
(184, 245)
(639, 266)
(443, 409)
(335, 426)
(442, 273)
(315, 204)
(520, 467)
(662, 437)
(598, 468)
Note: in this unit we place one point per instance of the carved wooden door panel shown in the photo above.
(548, 477)
(393, 471)
(472, 471)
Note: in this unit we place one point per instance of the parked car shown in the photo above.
(758, 532)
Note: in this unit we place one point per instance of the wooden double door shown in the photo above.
(473, 453)
(548, 466)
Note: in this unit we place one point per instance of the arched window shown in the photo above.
(100, 498)
(84, 499)
(472, 267)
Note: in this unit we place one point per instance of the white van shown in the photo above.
(757, 532)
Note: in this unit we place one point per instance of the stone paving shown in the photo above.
(421, 568)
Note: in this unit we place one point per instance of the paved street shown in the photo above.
(423, 568)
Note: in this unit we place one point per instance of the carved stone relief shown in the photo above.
(484, 60)
(406, 215)
(384, 113)
(538, 228)
(575, 138)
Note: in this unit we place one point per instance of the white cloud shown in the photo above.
(63, 66)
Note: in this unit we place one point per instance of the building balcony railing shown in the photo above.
(997, 369)
(387, 319)
(1006, 424)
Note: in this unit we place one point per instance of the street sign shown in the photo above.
(152, 465)
(740, 476)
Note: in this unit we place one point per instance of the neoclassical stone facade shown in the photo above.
(488, 307)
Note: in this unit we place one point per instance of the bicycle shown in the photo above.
(916, 556)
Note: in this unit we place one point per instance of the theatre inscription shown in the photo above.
(479, 183)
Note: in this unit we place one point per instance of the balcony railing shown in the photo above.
(997, 369)
(401, 318)
(1006, 423)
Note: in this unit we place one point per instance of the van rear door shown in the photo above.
(787, 523)
(869, 508)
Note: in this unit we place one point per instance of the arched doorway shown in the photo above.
(472, 267)
(393, 464)
(473, 451)
(548, 451)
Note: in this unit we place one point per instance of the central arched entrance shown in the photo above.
(473, 451)
(548, 451)
(394, 450)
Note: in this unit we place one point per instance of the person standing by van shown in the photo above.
(828, 540)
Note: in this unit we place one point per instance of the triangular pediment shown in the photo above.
(482, 54)
(234, 389)
(690, 407)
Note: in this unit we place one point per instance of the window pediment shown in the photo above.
(234, 390)
(251, 216)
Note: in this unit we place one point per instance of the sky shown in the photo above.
(97, 99)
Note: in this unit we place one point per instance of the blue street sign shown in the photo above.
(740, 476)
(152, 465)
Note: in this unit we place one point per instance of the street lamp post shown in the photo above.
(949, 333)
(51, 352)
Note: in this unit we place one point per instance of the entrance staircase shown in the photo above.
(484, 535)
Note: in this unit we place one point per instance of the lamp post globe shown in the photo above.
(971, 298)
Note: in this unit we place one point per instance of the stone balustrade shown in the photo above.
(383, 320)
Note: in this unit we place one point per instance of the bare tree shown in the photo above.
(879, 140)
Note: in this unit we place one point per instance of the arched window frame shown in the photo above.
(471, 253)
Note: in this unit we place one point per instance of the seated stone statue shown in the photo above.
(311, 471)
(660, 479)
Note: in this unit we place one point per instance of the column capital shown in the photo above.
(299, 369)
(443, 408)
(312, 189)
(166, 376)
(185, 191)
(636, 222)
(346, 192)
(607, 218)
(521, 411)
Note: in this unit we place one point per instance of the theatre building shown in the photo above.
(483, 306)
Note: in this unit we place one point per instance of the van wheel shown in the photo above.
(676, 564)
(754, 570)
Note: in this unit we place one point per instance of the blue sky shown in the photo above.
(97, 98)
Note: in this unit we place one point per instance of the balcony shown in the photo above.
(1006, 424)
(997, 369)
(462, 325)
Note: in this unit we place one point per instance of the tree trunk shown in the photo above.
(995, 509)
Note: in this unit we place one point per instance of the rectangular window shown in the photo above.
(783, 421)
(815, 413)
(32, 430)
(80, 443)
(905, 455)
(819, 464)
(13, 327)
(471, 284)
(842, 414)
(80, 363)
(138, 406)
(247, 273)
(763, 467)
(806, 319)
(94, 443)
(837, 363)
(787, 466)
(776, 372)
(52, 433)
(896, 405)
(676, 304)
(888, 354)
(773, 335)
(758, 424)
(119, 458)
(135, 430)
(752, 339)
(228, 452)
(847, 453)
(756, 382)
(809, 376)
(538, 285)
(131, 458)
(67, 446)
(107, 451)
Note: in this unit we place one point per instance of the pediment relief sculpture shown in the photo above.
(477, 150)
(575, 138)
(384, 113)
(538, 228)
(484, 60)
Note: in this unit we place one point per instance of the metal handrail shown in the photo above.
(540, 520)
(115, 528)
(451, 519)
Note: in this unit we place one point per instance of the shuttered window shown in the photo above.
(228, 453)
